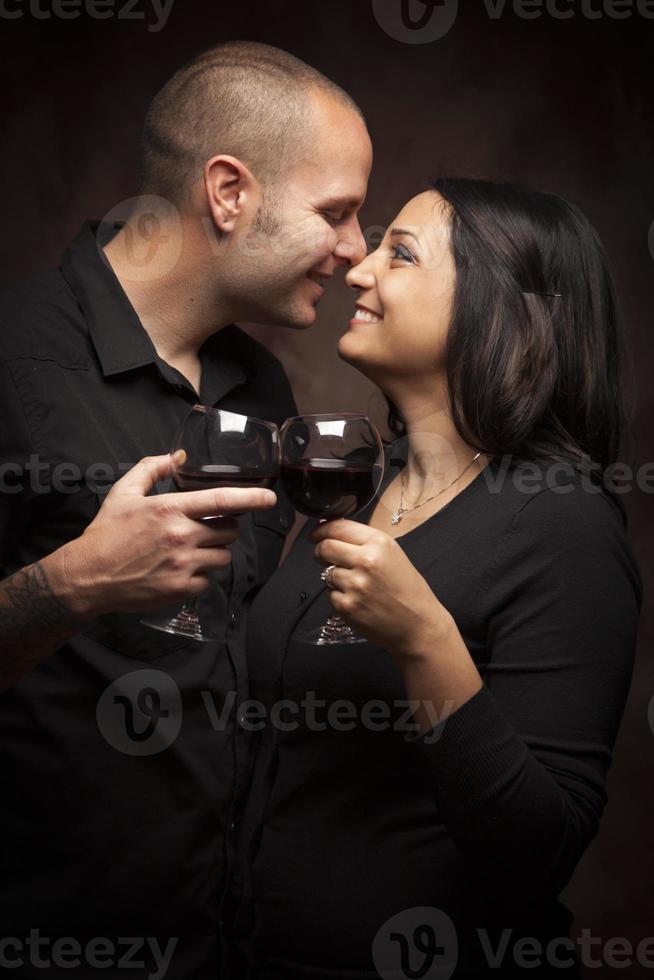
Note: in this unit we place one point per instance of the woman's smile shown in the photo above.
(364, 314)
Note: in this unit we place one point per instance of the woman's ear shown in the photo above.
(230, 188)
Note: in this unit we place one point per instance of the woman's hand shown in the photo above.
(378, 591)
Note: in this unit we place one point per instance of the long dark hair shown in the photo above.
(535, 346)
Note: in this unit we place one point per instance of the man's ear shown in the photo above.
(231, 188)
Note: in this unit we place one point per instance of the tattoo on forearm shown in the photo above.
(33, 622)
(32, 604)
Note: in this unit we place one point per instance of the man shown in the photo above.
(121, 761)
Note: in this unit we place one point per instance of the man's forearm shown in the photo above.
(34, 619)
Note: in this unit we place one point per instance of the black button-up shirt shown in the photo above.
(121, 762)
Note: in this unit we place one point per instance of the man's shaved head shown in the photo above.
(245, 99)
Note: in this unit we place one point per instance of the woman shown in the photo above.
(493, 580)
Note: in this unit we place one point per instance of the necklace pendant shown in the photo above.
(397, 517)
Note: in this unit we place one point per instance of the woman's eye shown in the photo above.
(401, 252)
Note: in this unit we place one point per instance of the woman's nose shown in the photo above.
(361, 276)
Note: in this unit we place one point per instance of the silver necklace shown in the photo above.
(402, 510)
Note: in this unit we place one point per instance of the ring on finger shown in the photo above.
(326, 575)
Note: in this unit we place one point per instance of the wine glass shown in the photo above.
(331, 467)
(222, 449)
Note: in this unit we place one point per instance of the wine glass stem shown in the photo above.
(189, 611)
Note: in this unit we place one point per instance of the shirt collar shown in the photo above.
(119, 338)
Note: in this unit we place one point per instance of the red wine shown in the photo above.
(216, 475)
(329, 487)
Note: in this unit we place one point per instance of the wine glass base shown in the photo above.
(182, 626)
(332, 633)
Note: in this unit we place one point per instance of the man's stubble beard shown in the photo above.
(266, 221)
(268, 227)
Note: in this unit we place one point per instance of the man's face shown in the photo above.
(309, 226)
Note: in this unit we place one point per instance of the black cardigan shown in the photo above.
(354, 822)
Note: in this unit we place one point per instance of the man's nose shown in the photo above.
(351, 248)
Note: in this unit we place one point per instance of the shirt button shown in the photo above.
(233, 618)
(284, 522)
(303, 597)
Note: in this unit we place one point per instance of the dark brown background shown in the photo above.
(560, 104)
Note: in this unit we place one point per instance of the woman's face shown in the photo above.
(407, 284)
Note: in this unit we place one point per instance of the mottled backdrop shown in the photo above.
(498, 90)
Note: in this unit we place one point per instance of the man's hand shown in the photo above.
(140, 553)
(144, 552)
